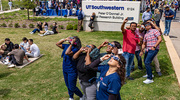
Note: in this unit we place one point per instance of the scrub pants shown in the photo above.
(70, 80)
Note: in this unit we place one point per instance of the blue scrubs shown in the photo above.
(70, 72)
(106, 85)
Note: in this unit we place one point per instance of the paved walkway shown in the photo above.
(175, 33)
(9, 11)
(173, 44)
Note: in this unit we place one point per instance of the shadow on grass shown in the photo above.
(164, 66)
(4, 92)
(4, 74)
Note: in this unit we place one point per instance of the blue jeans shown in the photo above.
(34, 31)
(148, 57)
(71, 80)
(129, 60)
(174, 14)
(139, 59)
(167, 27)
(157, 23)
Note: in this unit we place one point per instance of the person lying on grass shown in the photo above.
(54, 30)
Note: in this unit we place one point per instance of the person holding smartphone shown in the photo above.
(112, 76)
(69, 66)
(130, 39)
(87, 77)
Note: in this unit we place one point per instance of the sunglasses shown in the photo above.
(142, 26)
(111, 45)
(147, 24)
(88, 46)
(117, 59)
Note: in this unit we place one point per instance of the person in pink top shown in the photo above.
(130, 39)
(151, 42)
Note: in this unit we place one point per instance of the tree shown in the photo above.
(28, 4)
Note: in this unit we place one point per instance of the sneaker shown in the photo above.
(71, 99)
(6, 62)
(159, 73)
(148, 81)
(129, 78)
(31, 32)
(145, 76)
(41, 35)
(81, 98)
(11, 66)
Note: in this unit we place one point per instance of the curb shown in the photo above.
(175, 60)
(9, 11)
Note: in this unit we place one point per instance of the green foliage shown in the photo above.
(10, 25)
(27, 4)
(81, 27)
(16, 25)
(69, 27)
(61, 27)
(51, 26)
(75, 27)
(31, 25)
(3, 25)
(24, 26)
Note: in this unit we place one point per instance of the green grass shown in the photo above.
(44, 79)
(6, 6)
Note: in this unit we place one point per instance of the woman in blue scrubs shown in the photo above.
(112, 77)
(69, 66)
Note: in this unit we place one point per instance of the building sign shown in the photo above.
(112, 11)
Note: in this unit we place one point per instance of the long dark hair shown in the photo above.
(121, 71)
(78, 42)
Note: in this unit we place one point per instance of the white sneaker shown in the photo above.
(81, 98)
(6, 62)
(31, 32)
(11, 66)
(41, 35)
(148, 81)
(71, 99)
(145, 76)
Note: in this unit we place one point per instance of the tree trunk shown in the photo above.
(28, 13)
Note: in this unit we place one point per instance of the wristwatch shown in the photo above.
(154, 47)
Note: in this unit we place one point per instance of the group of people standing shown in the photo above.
(101, 75)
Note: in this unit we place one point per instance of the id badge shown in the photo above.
(98, 84)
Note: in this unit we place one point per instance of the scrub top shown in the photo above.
(106, 85)
(68, 64)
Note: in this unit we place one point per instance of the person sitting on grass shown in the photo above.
(54, 30)
(34, 50)
(45, 26)
(24, 45)
(8, 46)
(39, 25)
(16, 56)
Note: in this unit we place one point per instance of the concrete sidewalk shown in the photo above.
(9, 11)
(172, 44)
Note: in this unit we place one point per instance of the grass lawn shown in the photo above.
(6, 6)
(44, 79)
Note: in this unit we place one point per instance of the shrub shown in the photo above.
(31, 25)
(51, 26)
(75, 27)
(16, 25)
(69, 27)
(3, 25)
(24, 26)
(10, 25)
(81, 27)
(61, 27)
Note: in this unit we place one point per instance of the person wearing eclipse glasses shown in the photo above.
(87, 77)
(112, 76)
(130, 39)
(69, 66)
(151, 42)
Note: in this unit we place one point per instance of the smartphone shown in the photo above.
(130, 18)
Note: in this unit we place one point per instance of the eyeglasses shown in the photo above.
(88, 46)
(71, 37)
(117, 59)
(111, 45)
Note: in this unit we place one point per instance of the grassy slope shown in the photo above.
(44, 79)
